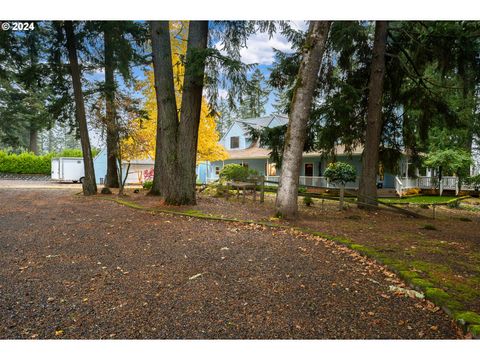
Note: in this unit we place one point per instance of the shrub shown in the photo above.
(29, 163)
(340, 173)
(307, 201)
(216, 189)
(236, 172)
(147, 184)
(25, 163)
(474, 181)
(302, 189)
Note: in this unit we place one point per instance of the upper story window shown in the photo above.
(234, 142)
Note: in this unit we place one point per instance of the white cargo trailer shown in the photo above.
(68, 169)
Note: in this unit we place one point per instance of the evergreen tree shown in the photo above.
(426, 65)
(122, 48)
(177, 128)
(255, 97)
(25, 88)
(226, 117)
(89, 184)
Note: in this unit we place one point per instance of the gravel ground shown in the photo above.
(83, 268)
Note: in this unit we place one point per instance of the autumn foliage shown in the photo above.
(142, 139)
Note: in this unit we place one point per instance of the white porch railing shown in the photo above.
(317, 181)
(426, 182)
(401, 184)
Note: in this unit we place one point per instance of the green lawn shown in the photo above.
(421, 199)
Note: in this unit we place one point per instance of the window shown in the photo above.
(270, 170)
(217, 170)
(234, 142)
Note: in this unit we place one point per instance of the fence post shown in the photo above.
(262, 189)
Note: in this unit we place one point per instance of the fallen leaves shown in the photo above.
(399, 291)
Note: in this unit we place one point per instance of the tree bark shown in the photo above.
(111, 179)
(190, 111)
(165, 167)
(89, 185)
(367, 192)
(176, 145)
(286, 203)
(33, 144)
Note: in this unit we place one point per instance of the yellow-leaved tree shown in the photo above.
(143, 132)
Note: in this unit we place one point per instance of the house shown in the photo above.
(135, 172)
(243, 151)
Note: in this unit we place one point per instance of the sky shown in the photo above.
(259, 50)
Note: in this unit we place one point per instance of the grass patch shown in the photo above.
(474, 330)
(421, 199)
(467, 317)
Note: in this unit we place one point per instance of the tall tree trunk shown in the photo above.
(176, 146)
(111, 179)
(190, 111)
(286, 203)
(165, 178)
(89, 185)
(367, 192)
(33, 145)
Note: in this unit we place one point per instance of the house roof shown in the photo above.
(256, 152)
(258, 122)
(264, 121)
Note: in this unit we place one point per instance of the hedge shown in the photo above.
(29, 163)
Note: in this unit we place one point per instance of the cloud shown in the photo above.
(260, 46)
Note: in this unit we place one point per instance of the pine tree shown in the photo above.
(177, 131)
(122, 49)
(255, 97)
(89, 184)
(367, 190)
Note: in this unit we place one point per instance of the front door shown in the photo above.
(308, 174)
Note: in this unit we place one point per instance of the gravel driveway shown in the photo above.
(75, 267)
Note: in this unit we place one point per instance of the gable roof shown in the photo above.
(258, 122)
(264, 121)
